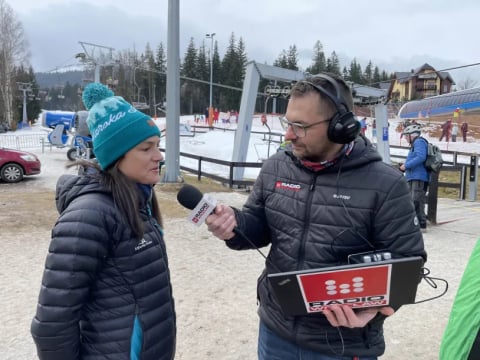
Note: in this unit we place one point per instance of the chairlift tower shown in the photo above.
(26, 88)
(96, 60)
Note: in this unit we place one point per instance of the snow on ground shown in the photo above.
(218, 144)
(209, 298)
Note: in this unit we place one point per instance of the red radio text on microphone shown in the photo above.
(196, 218)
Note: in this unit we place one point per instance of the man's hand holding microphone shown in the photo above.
(219, 218)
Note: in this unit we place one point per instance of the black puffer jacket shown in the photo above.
(316, 219)
(99, 281)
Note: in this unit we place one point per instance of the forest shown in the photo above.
(141, 78)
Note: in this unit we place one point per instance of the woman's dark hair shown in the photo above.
(125, 193)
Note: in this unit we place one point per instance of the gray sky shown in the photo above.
(396, 35)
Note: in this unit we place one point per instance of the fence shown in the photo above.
(465, 164)
(455, 162)
(21, 142)
(222, 179)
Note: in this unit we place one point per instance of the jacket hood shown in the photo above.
(363, 152)
(69, 187)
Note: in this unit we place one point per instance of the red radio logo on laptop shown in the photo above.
(360, 287)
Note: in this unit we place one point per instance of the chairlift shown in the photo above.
(61, 96)
(140, 105)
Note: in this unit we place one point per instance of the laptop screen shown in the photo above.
(393, 282)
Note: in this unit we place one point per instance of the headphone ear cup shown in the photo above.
(343, 128)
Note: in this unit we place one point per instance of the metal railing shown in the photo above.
(20, 142)
(222, 179)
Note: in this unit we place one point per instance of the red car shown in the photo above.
(15, 164)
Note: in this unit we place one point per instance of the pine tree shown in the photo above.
(355, 72)
(376, 77)
(292, 58)
(368, 73)
(333, 64)
(233, 72)
(319, 64)
(161, 76)
(188, 88)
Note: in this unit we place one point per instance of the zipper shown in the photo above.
(301, 255)
(163, 253)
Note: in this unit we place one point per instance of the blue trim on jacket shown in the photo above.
(137, 339)
(415, 162)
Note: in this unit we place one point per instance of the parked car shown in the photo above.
(15, 164)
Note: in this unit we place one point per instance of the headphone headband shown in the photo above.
(343, 127)
(337, 99)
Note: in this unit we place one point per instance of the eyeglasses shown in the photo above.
(300, 130)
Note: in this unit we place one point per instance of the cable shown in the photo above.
(342, 351)
(430, 280)
(243, 236)
(408, 76)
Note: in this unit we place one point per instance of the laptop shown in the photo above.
(383, 283)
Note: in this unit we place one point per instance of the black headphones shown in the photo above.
(343, 127)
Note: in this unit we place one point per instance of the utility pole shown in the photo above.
(172, 140)
(25, 88)
(210, 36)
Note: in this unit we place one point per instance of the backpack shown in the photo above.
(434, 159)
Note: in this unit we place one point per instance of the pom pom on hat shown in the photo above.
(94, 93)
(115, 125)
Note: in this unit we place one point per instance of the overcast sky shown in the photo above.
(396, 35)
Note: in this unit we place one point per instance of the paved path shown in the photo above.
(214, 288)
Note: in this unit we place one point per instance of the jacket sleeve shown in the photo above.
(419, 154)
(395, 226)
(78, 245)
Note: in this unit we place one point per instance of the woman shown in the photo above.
(106, 291)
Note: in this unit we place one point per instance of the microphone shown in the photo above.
(201, 205)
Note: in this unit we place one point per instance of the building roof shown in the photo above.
(403, 76)
(467, 100)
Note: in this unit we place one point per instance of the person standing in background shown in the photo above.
(363, 126)
(106, 291)
(464, 130)
(446, 128)
(415, 171)
(207, 116)
(454, 132)
(374, 130)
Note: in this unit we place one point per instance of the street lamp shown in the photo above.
(210, 36)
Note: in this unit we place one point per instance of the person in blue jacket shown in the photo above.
(106, 290)
(416, 173)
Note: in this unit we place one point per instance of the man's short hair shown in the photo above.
(302, 88)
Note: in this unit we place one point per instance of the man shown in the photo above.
(326, 196)
(363, 126)
(415, 171)
(454, 132)
(446, 128)
(464, 130)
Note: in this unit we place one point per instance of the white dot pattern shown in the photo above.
(356, 286)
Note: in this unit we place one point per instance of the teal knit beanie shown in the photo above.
(114, 124)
